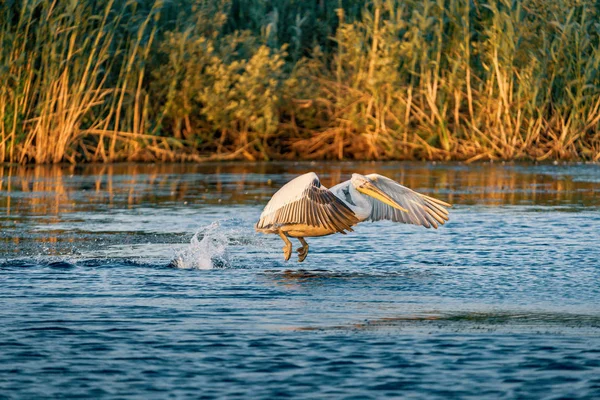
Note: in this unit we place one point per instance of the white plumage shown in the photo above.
(422, 210)
(304, 200)
(305, 208)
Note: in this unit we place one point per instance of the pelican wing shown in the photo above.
(422, 210)
(304, 201)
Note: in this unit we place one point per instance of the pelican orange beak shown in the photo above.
(371, 190)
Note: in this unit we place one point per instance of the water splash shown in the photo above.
(208, 249)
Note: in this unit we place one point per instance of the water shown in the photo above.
(135, 281)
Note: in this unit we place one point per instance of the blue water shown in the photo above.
(135, 281)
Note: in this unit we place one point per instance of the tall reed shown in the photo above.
(443, 80)
(222, 79)
(72, 80)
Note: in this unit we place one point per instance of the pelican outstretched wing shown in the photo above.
(304, 201)
(422, 210)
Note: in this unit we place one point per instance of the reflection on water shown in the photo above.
(47, 195)
(501, 302)
(497, 322)
(51, 190)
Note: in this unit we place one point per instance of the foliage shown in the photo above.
(222, 79)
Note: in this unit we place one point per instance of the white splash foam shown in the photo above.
(211, 251)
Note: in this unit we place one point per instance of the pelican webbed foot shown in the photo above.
(287, 249)
(302, 251)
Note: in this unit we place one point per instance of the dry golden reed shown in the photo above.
(224, 79)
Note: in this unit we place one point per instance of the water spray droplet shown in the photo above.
(207, 250)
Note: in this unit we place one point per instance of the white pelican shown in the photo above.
(305, 208)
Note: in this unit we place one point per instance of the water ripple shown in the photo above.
(502, 302)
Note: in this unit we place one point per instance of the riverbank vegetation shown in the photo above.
(201, 80)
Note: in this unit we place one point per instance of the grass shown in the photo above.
(228, 79)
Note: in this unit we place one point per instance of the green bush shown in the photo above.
(222, 79)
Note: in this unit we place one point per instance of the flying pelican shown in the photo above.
(305, 208)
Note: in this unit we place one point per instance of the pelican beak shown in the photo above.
(371, 190)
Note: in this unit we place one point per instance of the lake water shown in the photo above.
(148, 281)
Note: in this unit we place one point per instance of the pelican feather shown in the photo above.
(305, 201)
(305, 208)
(423, 210)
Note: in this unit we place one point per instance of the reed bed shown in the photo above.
(245, 79)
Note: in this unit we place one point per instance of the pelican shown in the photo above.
(305, 208)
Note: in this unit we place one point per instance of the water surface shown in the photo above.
(148, 281)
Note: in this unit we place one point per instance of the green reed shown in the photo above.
(72, 77)
(223, 79)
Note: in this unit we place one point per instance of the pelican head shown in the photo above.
(366, 186)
